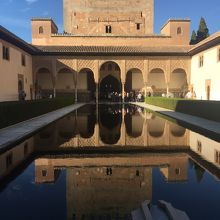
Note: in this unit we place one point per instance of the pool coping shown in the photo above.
(16, 133)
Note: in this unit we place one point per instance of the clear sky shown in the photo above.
(15, 15)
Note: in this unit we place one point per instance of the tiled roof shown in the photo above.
(9, 37)
(120, 50)
(207, 43)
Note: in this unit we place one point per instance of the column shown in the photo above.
(123, 92)
(54, 91)
(76, 92)
(97, 93)
(167, 89)
(145, 90)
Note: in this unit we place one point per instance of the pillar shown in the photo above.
(145, 89)
(54, 91)
(97, 93)
(167, 89)
(123, 92)
(76, 92)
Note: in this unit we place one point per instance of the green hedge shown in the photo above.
(14, 112)
(205, 109)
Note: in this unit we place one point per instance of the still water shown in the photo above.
(102, 163)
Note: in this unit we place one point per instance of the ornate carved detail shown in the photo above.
(66, 63)
(138, 64)
(157, 64)
(86, 63)
(139, 141)
(179, 64)
(86, 142)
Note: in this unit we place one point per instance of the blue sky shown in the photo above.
(15, 15)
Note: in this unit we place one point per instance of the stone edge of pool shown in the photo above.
(18, 132)
(209, 126)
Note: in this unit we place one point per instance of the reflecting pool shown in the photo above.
(102, 162)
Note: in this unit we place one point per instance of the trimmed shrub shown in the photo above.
(17, 111)
(206, 109)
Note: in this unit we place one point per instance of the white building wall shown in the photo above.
(209, 71)
(9, 71)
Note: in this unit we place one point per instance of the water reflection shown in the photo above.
(114, 126)
(110, 185)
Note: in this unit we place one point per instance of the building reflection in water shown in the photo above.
(114, 126)
(112, 184)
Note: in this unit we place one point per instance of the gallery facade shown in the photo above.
(105, 47)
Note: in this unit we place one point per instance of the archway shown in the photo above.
(110, 88)
(86, 85)
(110, 119)
(156, 127)
(134, 82)
(157, 82)
(178, 83)
(44, 83)
(65, 83)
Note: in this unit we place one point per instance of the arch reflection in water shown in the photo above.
(114, 125)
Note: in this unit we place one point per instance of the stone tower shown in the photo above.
(109, 17)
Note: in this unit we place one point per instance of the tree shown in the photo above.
(203, 31)
(193, 38)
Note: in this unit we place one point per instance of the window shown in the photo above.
(177, 171)
(5, 53)
(9, 160)
(108, 29)
(201, 61)
(218, 57)
(217, 157)
(41, 30)
(23, 60)
(179, 31)
(199, 146)
(138, 26)
(44, 173)
(25, 149)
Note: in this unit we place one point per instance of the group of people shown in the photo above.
(128, 97)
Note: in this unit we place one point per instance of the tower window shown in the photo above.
(41, 30)
(179, 31)
(138, 26)
(108, 29)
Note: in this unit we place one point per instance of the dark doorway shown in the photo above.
(110, 89)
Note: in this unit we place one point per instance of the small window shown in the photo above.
(218, 57)
(179, 31)
(217, 157)
(23, 60)
(25, 149)
(138, 26)
(41, 30)
(199, 146)
(108, 29)
(177, 171)
(201, 61)
(5, 53)
(9, 159)
(44, 173)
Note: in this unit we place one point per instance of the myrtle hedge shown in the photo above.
(206, 109)
(17, 111)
